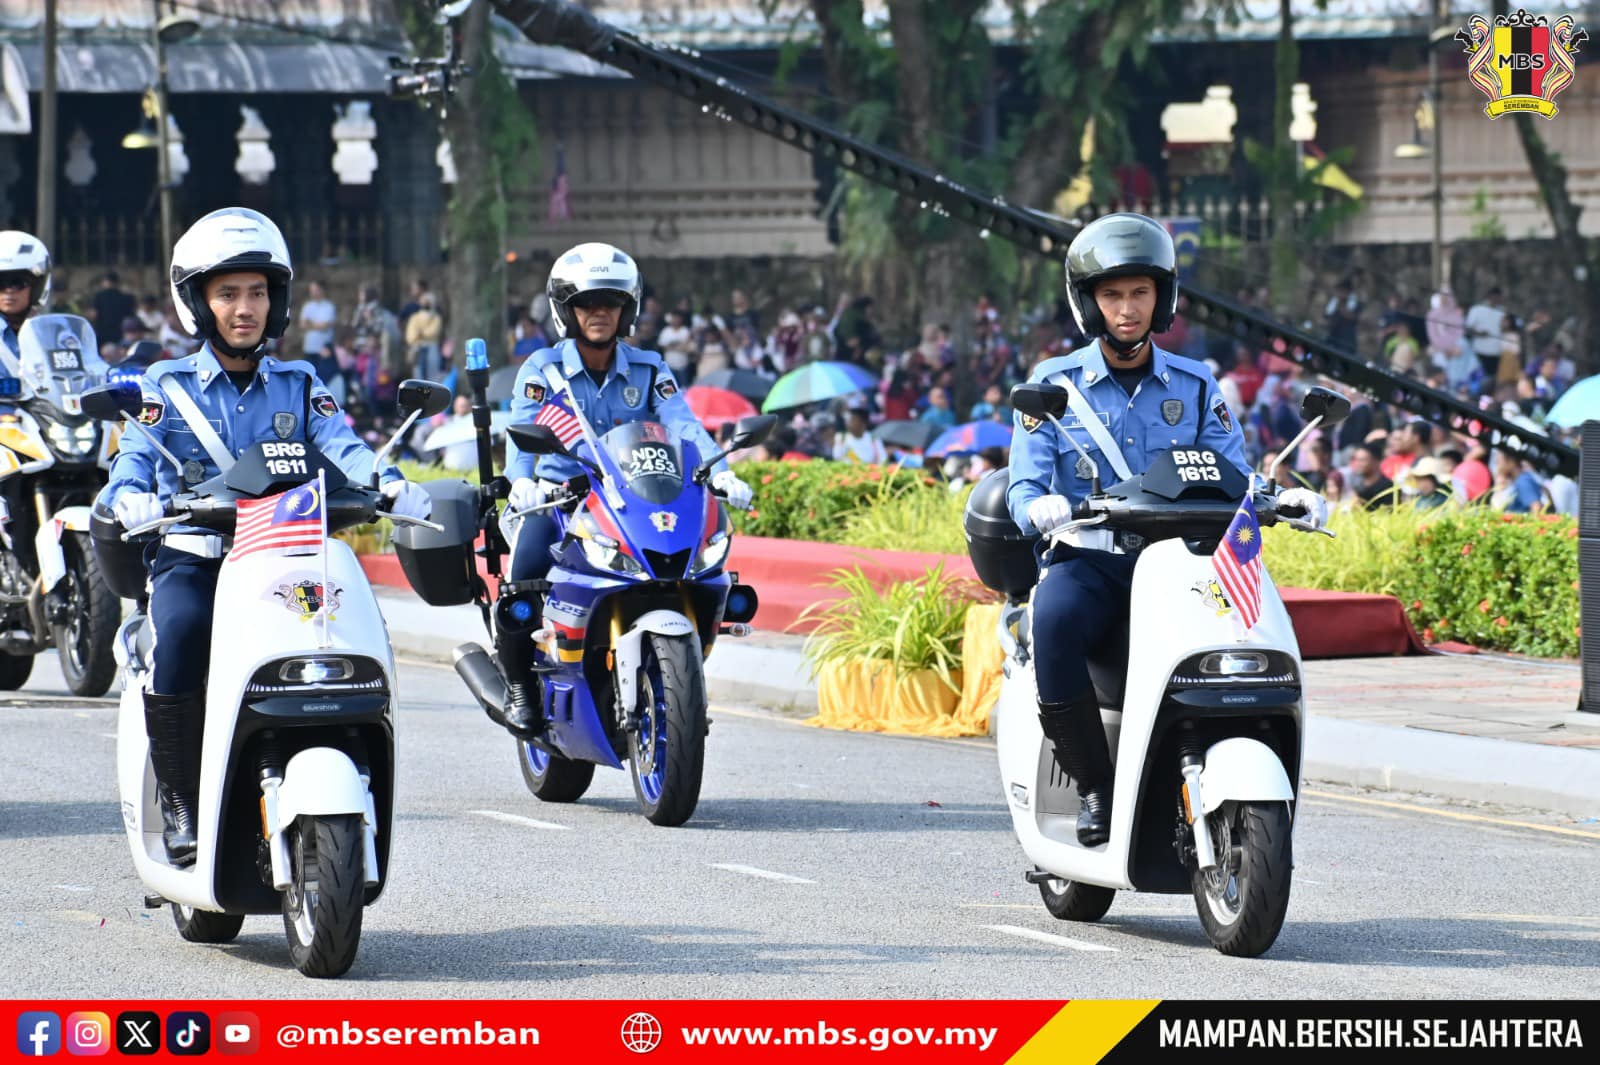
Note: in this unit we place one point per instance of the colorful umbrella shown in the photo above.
(913, 436)
(747, 383)
(816, 382)
(971, 438)
(716, 407)
(1578, 404)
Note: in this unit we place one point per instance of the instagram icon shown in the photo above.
(88, 1033)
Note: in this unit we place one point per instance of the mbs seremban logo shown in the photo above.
(1521, 62)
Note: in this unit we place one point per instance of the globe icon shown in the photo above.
(641, 1033)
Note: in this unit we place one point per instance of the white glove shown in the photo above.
(1049, 512)
(1316, 507)
(134, 509)
(408, 500)
(737, 493)
(524, 494)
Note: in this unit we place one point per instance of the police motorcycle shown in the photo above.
(1204, 719)
(636, 599)
(53, 460)
(297, 770)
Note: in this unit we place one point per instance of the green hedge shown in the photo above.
(812, 500)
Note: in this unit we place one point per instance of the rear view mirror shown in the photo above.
(1040, 401)
(1326, 404)
(112, 403)
(752, 430)
(536, 439)
(428, 397)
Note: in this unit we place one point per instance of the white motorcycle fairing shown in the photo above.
(1177, 614)
(263, 614)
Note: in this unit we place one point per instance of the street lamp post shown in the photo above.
(163, 161)
(1438, 148)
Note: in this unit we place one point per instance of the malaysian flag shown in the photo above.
(559, 210)
(292, 519)
(557, 414)
(1238, 563)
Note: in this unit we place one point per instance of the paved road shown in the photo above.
(820, 864)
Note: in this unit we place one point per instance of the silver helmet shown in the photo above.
(232, 239)
(593, 268)
(26, 253)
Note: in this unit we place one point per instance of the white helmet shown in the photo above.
(232, 239)
(25, 252)
(592, 268)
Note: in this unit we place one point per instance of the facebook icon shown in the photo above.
(38, 1034)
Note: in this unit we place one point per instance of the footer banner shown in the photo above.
(1043, 1032)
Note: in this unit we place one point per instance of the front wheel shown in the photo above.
(1242, 902)
(667, 735)
(90, 614)
(551, 777)
(322, 908)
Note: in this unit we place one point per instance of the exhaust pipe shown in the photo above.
(483, 680)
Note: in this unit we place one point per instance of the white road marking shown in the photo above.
(1046, 937)
(517, 819)
(764, 874)
(74, 887)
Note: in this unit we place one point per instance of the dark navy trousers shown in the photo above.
(530, 559)
(1081, 603)
(183, 588)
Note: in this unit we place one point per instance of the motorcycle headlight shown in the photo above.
(602, 552)
(73, 439)
(715, 553)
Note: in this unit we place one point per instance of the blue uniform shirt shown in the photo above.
(275, 388)
(638, 387)
(1177, 403)
(13, 343)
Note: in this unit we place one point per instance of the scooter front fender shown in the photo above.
(319, 781)
(1242, 770)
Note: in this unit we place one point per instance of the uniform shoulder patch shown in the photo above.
(1219, 407)
(1029, 422)
(534, 391)
(667, 389)
(325, 405)
(151, 411)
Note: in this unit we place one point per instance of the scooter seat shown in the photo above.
(1108, 669)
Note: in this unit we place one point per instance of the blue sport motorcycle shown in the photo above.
(615, 637)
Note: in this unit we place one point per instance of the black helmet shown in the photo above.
(1121, 245)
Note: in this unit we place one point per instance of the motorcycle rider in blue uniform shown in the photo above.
(1138, 401)
(230, 281)
(594, 292)
(24, 289)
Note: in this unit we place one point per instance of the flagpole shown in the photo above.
(327, 589)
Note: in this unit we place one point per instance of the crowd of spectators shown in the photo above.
(955, 373)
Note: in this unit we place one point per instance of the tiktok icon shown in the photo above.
(188, 1033)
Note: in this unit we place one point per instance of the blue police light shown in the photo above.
(477, 354)
(739, 605)
(521, 610)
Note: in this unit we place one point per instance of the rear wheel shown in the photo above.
(322, 908)
(667, 738)
(203, 926)
(1243, 901)
(90, 614)
(1069, 900)
(551, 777)
(14, 671)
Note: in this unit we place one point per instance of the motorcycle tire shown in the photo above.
(551, 777)
(93, 613)
(667, 745)
(1069, 900)
(203, 926)
(1243, 901)
(14, 671)
(323, 906)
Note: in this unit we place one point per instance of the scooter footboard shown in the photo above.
(1242, 770)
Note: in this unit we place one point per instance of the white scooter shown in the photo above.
(1204, 719)
(296, 780)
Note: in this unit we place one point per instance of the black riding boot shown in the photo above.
(524, 717)
(175, 724)
(1074, 728)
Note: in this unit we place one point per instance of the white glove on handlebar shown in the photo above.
(1316, 507)
(1048, 513)
(134, 509)
(408, 500)
(737, 493)
(524, 494)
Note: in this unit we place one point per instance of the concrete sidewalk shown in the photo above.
(1483, 728)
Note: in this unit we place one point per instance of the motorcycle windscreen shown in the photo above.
(60, 360)
(650, 460)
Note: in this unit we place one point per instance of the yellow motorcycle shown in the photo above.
(53, 461)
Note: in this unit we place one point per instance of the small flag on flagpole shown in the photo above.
(557, 414)
(559, 209)
(326, 610)
(290, 520)
(1237, 562)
